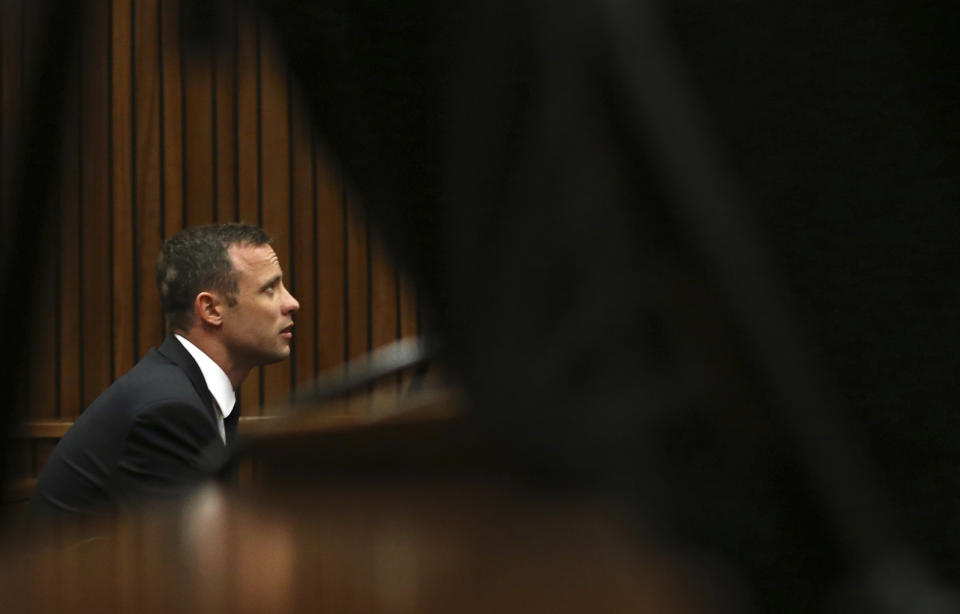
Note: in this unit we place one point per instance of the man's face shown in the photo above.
(259, 327)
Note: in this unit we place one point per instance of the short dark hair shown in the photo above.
(196, 259)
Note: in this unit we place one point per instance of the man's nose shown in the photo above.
(291, 305)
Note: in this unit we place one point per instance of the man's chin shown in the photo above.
(279, 356)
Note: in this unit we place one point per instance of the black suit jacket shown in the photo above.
(143, 437)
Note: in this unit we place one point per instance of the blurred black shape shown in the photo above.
(565, 194)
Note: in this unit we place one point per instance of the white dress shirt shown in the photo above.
(224, 397)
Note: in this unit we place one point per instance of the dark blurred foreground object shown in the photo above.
(404, 514)
(386, 549)
(565, 183)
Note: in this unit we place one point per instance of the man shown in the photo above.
(221, 289)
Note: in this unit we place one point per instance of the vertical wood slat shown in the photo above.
(302, 242)
(11, 32)
(70, 258)
(122, 156)
(39, 387)
(148, 180)
(171, 117)
(357, 291)
(41, 397)
(19, 455)
(329, 250)
(95, 167)
(199, 127)
(275, 187)
(248, 79)
(42, 375)
(225, 108)
(41, 393)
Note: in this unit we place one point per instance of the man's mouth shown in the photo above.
(287, 333)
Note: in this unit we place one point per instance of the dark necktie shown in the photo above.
(230, 423)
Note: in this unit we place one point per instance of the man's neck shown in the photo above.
(218, 354)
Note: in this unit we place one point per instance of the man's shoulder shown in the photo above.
(153, 380)
(149, 411)
(155, 389)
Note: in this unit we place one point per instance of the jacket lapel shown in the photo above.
(174, 351)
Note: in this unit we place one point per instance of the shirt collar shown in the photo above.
(217, 381)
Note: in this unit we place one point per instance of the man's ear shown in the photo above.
(209, 308)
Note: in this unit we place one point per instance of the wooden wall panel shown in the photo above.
(38, 388)
(171, 117)
(11, 71)
(160, 134)
(225, 109)
(330, 251)
(275, 182)
(68, 239)
(199, 127)
(42, 384)
(248, 160)
(95, 171)
(358, 280)
(301, 273)
(148, 178)
(122, 199)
